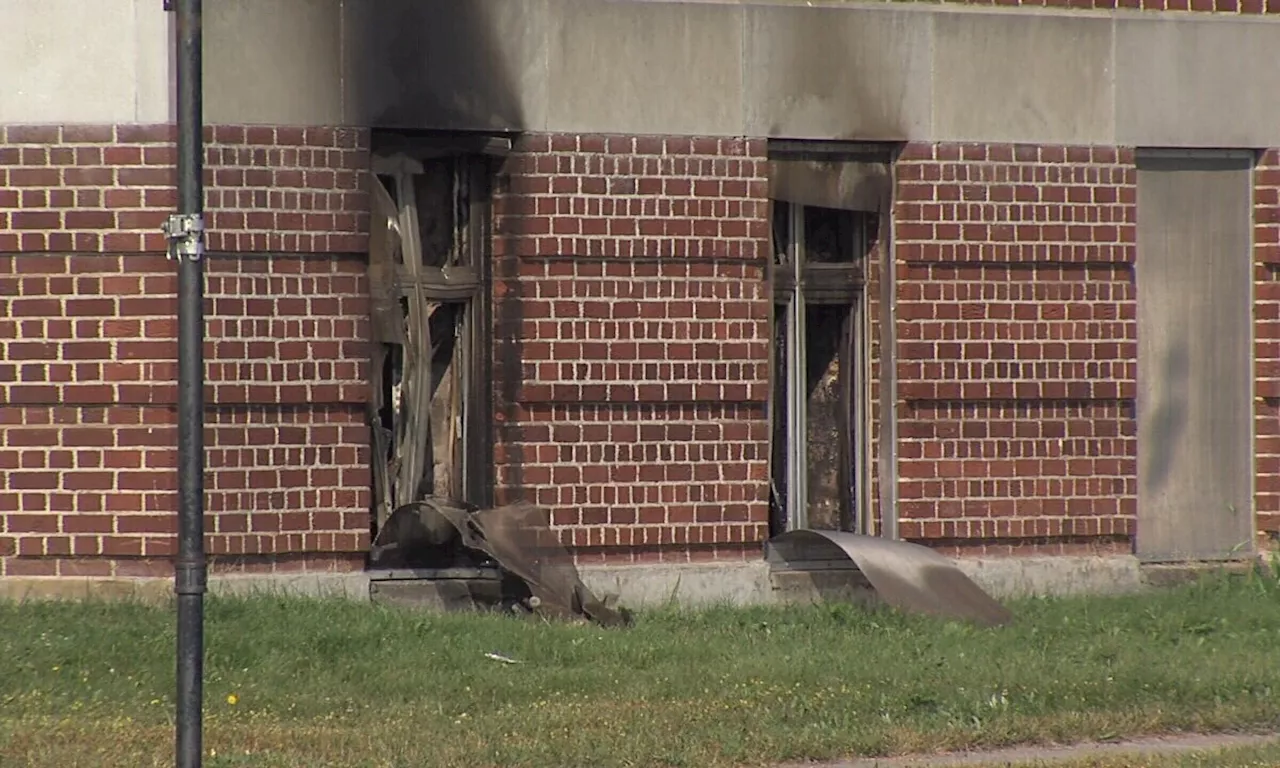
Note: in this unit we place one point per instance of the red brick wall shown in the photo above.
(88, 349)
(632, 358)
(108, 188)
(1016, 345)
(630, 361)
(1266, 235)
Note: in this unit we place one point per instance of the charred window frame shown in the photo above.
(827, 200)
(430, 278)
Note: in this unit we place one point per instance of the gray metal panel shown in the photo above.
(276, 63)
(908, 576)
(642, 68)
(1195, 81)
(853, 186)
(833, 72)
(1024, 77)
(1195, 358)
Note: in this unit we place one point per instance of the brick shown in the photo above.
(34, 177)
(89, 176)
(146, 134)
(90, 220)
(31, 134)
(35, 220)
(88, 134)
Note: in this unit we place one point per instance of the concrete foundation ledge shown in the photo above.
(26, 588)
(752, 583)
(689, 585)
(354, 586)
(1012, 577)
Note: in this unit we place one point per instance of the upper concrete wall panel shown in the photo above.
(154, 64)
(1024, 77)
(447, 64)
(71, 61)
(736, 67)
(628, 67)
(811, 70)
(1198, 82)
(830, 72)
(276, 62)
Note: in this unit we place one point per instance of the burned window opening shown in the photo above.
(434, 530)
(818, 411)
(429, 408)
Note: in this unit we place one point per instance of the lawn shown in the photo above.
(294, 682)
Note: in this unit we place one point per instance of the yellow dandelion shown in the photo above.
(232, 699)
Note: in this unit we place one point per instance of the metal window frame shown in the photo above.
(789, 282)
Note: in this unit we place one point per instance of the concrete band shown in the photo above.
(848, 70)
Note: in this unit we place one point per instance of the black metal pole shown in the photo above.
(186, 238)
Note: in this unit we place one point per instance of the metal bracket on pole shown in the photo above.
(185, 233)
(190, 578)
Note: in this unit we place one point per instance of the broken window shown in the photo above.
(428, 270)
(436, 538)
(825, 217)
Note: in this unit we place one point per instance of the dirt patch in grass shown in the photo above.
(307, 683)
(1221, 750)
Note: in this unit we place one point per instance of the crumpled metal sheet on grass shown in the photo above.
(520, 539)
(907, 576)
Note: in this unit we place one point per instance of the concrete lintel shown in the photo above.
(1197, 82)
(645, 68)
(447, 65)
(765, 68)
(864, 71)
(837, 72)
(276, 63)
(1013, 78)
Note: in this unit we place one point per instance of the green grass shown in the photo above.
(330, 683)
